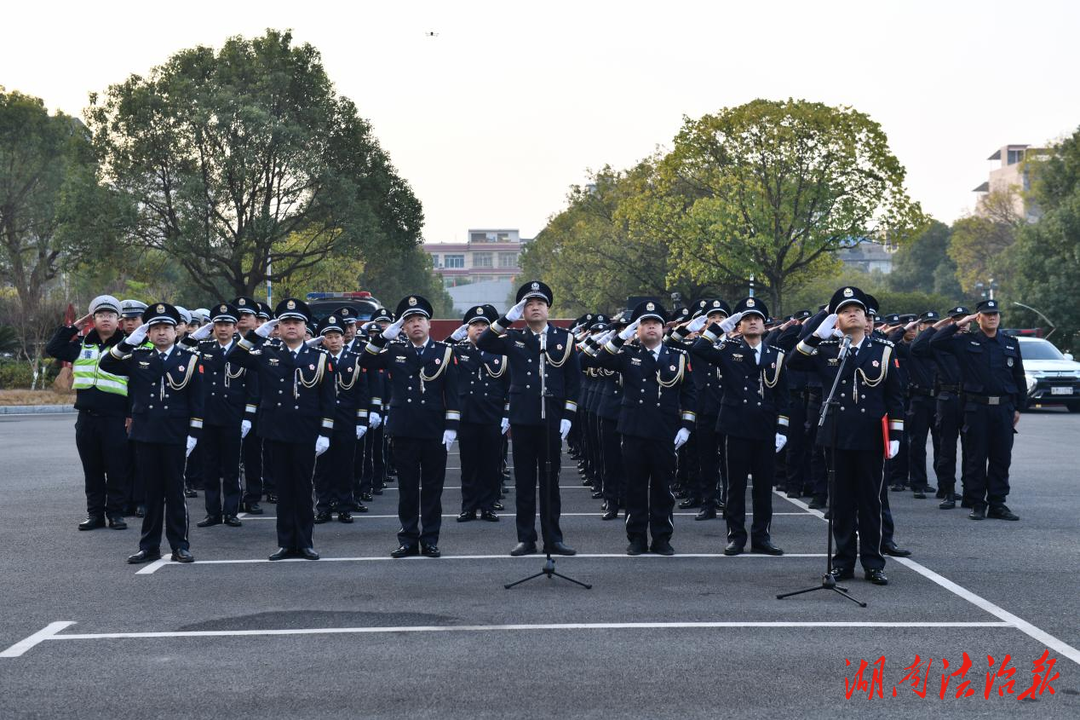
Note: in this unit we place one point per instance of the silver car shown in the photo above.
(1053, 378)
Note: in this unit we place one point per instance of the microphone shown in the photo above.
(543, 341)
(845, 346)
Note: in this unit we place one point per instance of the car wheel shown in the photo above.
(1073, 407)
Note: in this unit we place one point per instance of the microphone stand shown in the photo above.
(545, 508)
(828, 581)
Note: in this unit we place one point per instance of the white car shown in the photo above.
(1053, 378)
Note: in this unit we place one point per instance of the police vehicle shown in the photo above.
(324, 303)
(1053, 378)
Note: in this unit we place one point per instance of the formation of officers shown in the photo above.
(257, 405)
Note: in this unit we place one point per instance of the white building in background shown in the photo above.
(482, 269)
(1011, 172)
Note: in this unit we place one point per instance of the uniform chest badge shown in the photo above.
(773, 365)
(496, 361)
(144, 364)
(558, 347)
(671, 368)
(834, 361)
(309, 367)
(181, 368)
(875, 363)
(438, 361)
(349, 369)
(737, 357)
(1009, 362)
(635, 361)
(518, 343)
(273, 361)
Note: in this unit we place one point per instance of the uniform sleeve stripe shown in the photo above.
(708, 335)
(499, 329)
(328, 423)
(196, 422)
(244, 343)
(689, 416)
(372, 348)
(804, 348)
(782, 420)
(361, 413)
(610, 347)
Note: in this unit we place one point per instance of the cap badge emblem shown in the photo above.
(291, 305)
(848, 292)
(412, 302)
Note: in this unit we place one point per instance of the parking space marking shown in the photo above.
(50, 630)
(360, 516)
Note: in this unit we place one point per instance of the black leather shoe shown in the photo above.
(690, 502)
(918, 494)
(523, 548)
(597, 494)
(839, 573)
(144, 556)
(940, 494)
(323, 517)
(140, 511)
(890, 548)
(431, 551)
(497, 506)
(1001, 512)
(182, 556)
(117, 523)
(733, 548)
(360, 507)
(271, 498)
(307, 553)
(488, 516)
(978, 512)
(377, 491)
(662, 547)
(281, 554)
(966, 504)
(610, 514)
(209, 521)
(232, 521)
(637, 546)
(344, 516)
(817, 503)
(876, 576)
(929, 488)
(948, 502)
(466, 516)
(188, 492)
(765, 548)
(366, 497)
(405, 551)
(897, 488)
(252, 509)
(680, 493)
(706, 513)
(559, 548)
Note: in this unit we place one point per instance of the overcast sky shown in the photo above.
(510, 103)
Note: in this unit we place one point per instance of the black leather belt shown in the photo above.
(914, 390)
(955, 389)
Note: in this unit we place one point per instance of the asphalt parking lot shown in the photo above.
(357, 634)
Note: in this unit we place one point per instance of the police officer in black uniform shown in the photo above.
(296, 416)
(539, 349)
(992, 373)
(372, 470)
(165, 386)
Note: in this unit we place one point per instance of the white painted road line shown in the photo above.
(50, 630)
(151, 569)
(361, 516)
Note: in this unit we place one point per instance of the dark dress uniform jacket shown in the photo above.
(166, 395)
(351, 392)
(989, 366)
(484, 384)
(754, 403)
(522, 349)
(659, 395)
(423, 386)
(296, 395)
(230, 391)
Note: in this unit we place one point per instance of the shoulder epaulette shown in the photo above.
(884, 341)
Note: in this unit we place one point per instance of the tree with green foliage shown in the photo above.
(977, 239)
(924, 265)
(219, 158)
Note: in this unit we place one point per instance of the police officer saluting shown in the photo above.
(296, 417)
(422, 423)
(166, 420)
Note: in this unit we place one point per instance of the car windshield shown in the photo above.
(1040, 350)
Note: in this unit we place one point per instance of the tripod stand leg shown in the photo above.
(531, 577)
(576, 582)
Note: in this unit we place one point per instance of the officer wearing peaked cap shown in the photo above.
(540, 356)
(296, 416)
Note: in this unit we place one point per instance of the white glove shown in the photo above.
(697, 324)
(245, 428)
(322, 444)
(190, 445)
(314, 342)
(564, 428)
(728, 324)
(374, 420)
(504, 425)
(267, 328)
(460, 334)
(137, 336)
(681, 437)
(781, 441)
(448, 438)
(360, 430)
(894, 448)
(606, 338)
(514, 314)
(630, 330)
(825, 329)
(203, 332)
(392, 331)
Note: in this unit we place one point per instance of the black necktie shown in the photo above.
(162, 356)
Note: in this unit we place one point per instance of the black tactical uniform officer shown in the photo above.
(165, 387)
(656, 419)
(869, 400)
(542, 357)
(422, 422)
(921, 404)
(372, 471)
(251, 314)
(296, 417)
(992, 373)
(608, 406)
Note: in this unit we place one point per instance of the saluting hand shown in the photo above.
(460, 334)
(630, 330)
(203, 332)
(137, 336)
(825, 329)
(964, 322)
(697, 324)
(392, 331)
(730, 323)
(514, 314)
(267, 328)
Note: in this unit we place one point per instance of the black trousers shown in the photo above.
(988, 437)
(948, 421)
(746, 456)
(896, 468)
(103, 449)
(533, 448)
(193, 470)
(819, 477)
(421, 466)
(650, 468)
(919, 423)
(136, 485)
(479, 445)
(614, 476)
(797, 448)
(162, 466)
(857, 508)
(334, 472)
(708, 441)
(373, 471)
(252, 452)
(220, 452)
(294, 464)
